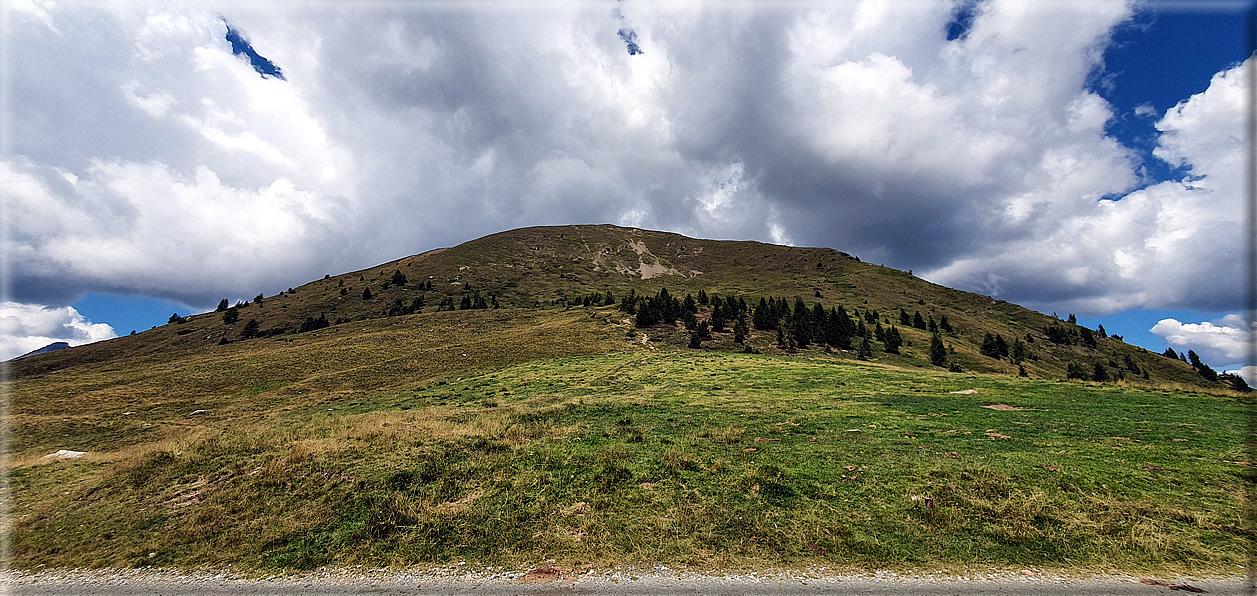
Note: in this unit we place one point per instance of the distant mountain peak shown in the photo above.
(52, 347)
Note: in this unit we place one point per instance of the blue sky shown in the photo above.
(161, 158)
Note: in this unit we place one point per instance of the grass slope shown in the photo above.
(517, 436)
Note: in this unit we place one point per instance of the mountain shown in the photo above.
(52, 347)
(558, 267)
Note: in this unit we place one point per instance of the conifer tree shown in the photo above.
(892, 340)
(918, 321)
(718, 317)
(864, 352)
(691, 322)
(938, 352)
(762, 317)
(366, 293)
(1099, 374)
(1019, 352)
(989, 348)
(945, 325)
(739, 330)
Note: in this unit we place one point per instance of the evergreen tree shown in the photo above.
(1072, 319)
(1170, 353)
(763, 316)
(702, 297)
(945, 325)
(1021, 371)
(1075, 371)
(258, 299)
(175, 318)
(839, 328)
(1019, 352)
(1203, 369)
(222, 305)
(892, 340)
(1101, 332)
(695, 341)
(989, 348)
(1001, 346)
(864, 352)
(1130, 364)
(932, 326)
(739, 330)
(311, 323)
(398, 279)
(1057, 334)
(1099, 374)
(366, 293)
(689, 305)
(718, 317)
(1088, 338)
(938, 353)
(1235, 381)
(918, 321)
(904, 319)
(816, 323)
(250, 329)
(231, 315)
(646, 315)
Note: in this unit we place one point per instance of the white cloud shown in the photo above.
(1224, 341)
(28, 327)
(1248, 372)
(149, 159)
(1173, 244)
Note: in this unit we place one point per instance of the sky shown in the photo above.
(1073, 157)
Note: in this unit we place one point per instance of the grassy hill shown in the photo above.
(552, 267)
(542, 431)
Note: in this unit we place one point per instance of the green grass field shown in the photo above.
(349, 448)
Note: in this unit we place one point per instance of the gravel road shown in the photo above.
(623, 581)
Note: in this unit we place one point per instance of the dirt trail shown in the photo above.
(658, 581)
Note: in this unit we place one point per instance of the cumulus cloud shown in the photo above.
(963, 144)
(1173, 244)
(28, 327)
(1225, 341)
(1248, 372)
